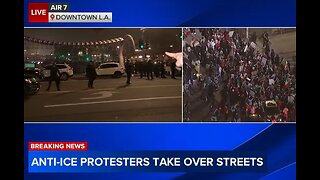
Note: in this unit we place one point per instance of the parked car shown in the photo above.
(65, 71)
(111, 68)
(35, 72)
(31, 85)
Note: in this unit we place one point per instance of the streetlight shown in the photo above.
(171, 45)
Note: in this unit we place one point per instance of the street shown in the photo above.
(111, 100)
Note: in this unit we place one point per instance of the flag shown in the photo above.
(286, 85)
(187, 34)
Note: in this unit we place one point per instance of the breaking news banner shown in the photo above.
(60, 13)
(71, 157)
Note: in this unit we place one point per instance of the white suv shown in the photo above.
(110, 68)
(65, 71)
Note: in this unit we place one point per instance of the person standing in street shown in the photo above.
(139, 65)
(150, 70)
(91, 74)
(162, 70)
(173, 70)
(129, 69)
(54, 76)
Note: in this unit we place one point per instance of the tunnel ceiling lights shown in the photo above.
(91, 43)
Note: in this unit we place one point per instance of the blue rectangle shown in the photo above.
(276, 143)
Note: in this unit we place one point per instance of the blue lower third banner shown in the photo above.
(160, 151)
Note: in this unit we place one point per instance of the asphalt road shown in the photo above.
(111, 100)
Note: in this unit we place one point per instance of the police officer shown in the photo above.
(140, 67)
(173, 69)
(129, 69)
(150, 69)
(144, 69)
(54, 76)
(162, 70)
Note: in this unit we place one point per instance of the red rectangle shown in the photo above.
(38, 12)
(58, 146)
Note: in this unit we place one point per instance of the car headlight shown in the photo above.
(27, 80)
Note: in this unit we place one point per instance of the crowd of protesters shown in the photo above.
(224, 62)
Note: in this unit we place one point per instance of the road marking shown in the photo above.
(103, 94)
(110, 89)
(100, 89)
(134, 87)
(112, 101)
(54, 92)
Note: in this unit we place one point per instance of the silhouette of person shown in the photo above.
(54, 76)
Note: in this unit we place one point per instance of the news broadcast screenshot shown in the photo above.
(161, 90)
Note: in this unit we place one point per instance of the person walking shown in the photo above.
(54, 76)
(91, 74)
